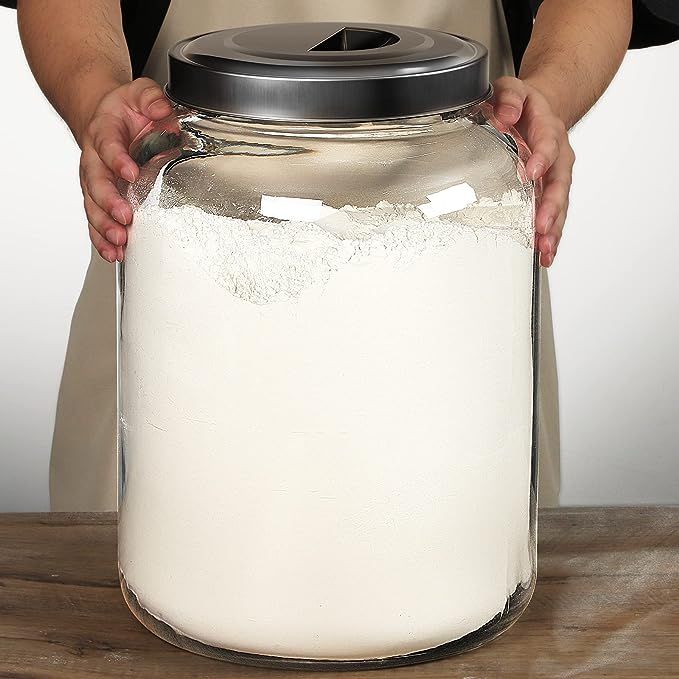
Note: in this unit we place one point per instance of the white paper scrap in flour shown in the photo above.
(452, 199)
(298, 209)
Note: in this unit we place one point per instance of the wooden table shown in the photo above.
(606, 605)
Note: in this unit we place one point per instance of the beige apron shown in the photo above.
(83, 466)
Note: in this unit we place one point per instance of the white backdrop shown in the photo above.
(614, 286)
(45, 254)
(616, 293)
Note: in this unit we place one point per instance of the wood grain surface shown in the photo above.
(606, 605)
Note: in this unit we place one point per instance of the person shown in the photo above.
(87, 55)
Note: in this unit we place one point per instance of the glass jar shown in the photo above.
(327, 362)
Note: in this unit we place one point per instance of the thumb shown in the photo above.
(509, 97)
(146, 97)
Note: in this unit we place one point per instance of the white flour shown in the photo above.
(327, 425)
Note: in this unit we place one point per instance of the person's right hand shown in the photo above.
(119, 117)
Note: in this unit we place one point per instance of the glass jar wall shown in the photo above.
(327, 332)
(327, 338)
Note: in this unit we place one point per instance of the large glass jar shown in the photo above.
(327, 357)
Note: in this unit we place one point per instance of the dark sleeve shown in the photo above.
(519, 18)
(656, 22)
(142, 20)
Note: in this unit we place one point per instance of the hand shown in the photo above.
(119, 117)
(520, 104)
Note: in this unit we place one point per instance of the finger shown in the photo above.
(111, 230)
(508, 99)
(110, 140)
(102, 246)
(555, 192)
(549, 243)
(546, 136)
(546, 260)
(554, 202)
(98, 181)
(145, 96)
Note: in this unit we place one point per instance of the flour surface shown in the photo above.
(327, 425)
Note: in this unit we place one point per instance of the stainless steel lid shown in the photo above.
(328, 72)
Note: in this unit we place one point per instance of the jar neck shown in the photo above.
(208, 121)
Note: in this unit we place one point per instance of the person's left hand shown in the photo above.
(520, 104)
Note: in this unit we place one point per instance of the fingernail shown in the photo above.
(158, 106)
(112, 236)
(127, 174)
(109, 256)
(506, 110)
(538, 171)
(119, 216)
